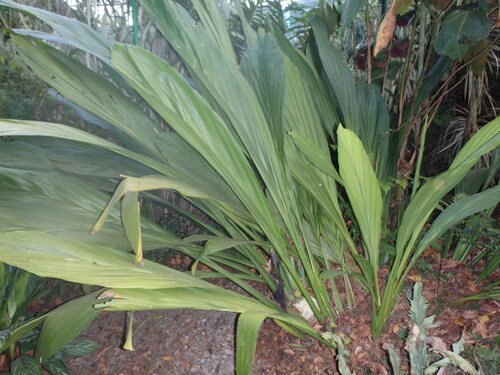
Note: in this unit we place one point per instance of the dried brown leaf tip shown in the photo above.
(108, 294)
(386, 28)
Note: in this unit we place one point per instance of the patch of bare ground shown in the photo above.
(202, 342)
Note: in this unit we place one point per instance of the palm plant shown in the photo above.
(250, 149)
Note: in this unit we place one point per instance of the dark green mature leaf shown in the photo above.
(236, 98)
(316, 90)
(200, 298)
(98, 167)
(460, 30)
(79, 347)
(70, 31)
(429, 195)
(65, 323)
(145, 183)
(25, 365)
(93, 93)
(193, 119)
(319, 159)
(211, 185)
(350, 9)
(458, 211)
(362, 106)
(432, 79)
(211, 17)
(263, 67)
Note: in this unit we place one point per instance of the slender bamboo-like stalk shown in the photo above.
(416, 180)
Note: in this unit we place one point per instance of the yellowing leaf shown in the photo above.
(386, 29)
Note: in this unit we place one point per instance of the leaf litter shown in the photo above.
(202, 342)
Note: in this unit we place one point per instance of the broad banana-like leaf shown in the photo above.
(67, 207)
(77, 261)
(362, 188)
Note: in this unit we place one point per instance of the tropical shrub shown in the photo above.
(250, 147)
(20, 328)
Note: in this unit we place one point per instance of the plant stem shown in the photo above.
(416, 181)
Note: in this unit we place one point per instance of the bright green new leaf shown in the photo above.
(246, 340)
(362, 188)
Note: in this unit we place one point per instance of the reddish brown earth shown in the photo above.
(202, 342)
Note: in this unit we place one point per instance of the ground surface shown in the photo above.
(201, 342)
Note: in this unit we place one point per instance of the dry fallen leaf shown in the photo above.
(484, 318)
(481, 329)
(437, 343)
(415, 278)
(386, 29)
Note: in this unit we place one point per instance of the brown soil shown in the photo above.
(202, 342)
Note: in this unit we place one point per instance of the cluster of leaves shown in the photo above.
(250, 148)
(19, 328)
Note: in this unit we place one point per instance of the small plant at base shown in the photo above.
(418, 341)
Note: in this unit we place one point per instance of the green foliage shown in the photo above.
(20, 330)
(460, 30)
(25, 365)
(250, 148)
